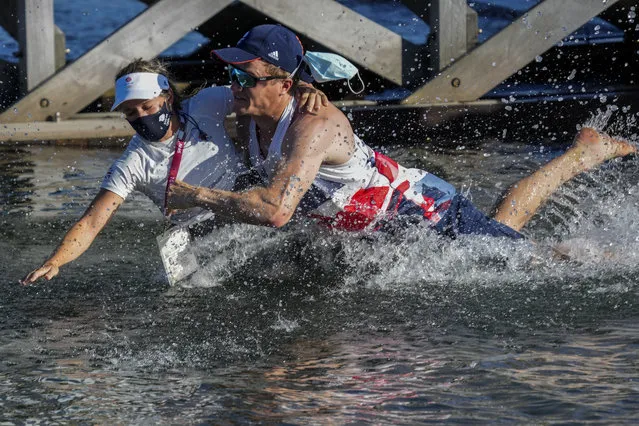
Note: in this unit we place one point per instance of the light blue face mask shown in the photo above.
(326, 66)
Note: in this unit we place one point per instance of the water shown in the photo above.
(302, 326)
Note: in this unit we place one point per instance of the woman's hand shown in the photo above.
(48, 271)
(309, 98)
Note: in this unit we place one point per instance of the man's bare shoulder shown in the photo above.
(324, 133)
(327, 120)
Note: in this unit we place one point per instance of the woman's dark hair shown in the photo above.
(158, 67)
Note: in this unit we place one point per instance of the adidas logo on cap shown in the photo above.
(274, 55)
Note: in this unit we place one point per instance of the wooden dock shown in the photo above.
(451, 73)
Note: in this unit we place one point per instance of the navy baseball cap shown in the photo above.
(274, 44)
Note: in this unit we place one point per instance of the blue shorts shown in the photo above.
(462, 218)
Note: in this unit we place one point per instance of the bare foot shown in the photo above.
(595, 148)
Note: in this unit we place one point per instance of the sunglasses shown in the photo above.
(247, 80)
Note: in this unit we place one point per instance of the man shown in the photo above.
(313, 164)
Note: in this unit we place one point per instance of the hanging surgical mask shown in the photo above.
(329, 66)
(153, 127)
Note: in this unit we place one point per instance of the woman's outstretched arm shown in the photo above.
(80, 237)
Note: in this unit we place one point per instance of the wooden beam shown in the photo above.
(36, 36)
(511, 49)
(342, 30)
(84, 126)
(146, 36)
(447, 20)
(111, 126)
(91, 128)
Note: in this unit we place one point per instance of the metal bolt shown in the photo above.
(456, 82)
(44, 102)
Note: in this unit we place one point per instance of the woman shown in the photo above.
(174, 139)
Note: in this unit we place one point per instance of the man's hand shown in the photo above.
(48, 271)
(181, 195)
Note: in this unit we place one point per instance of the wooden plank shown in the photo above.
(147, 35)
(92, 128)
(341, 29)
(36, 36)
(84, 126)
(511, 49)
(447, 19)
(111, 126)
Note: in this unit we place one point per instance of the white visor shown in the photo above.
(139, 85)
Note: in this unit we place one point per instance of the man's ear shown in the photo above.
(287, 85)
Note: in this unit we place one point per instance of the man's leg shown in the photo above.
(589, 150)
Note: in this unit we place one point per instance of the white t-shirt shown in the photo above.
(212, 163)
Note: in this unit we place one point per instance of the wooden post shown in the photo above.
(37, 44)
(472, 28)
(449, 39)
(446, 42)
(507, 52)
(60, 48)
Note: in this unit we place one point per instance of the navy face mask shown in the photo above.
(153, 127)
